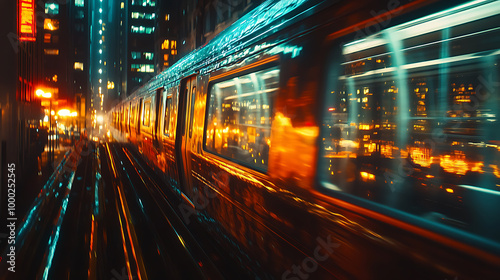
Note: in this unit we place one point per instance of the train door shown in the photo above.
(183, 136)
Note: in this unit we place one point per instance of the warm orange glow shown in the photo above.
(421, 156)
(367, 176)
(50, 24)
(40, 93)
(457, 163)
(449, 190)
(27, 28)
(453, 164)
(66, 113)
(165, 45)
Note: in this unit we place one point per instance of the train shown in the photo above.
(336, 139)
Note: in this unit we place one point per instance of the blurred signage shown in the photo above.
(27, 20)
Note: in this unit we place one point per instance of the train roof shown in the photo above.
(265, 20)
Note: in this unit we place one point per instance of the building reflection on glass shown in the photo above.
(412, 122)
(239, 119)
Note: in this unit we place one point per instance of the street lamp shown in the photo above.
(47, 95)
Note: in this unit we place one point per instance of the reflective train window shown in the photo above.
(411, 120)
(239, 117)
(146, 114)
(132, 116)
(166, 124)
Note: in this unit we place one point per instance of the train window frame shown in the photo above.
(334, 66)
(271, 63)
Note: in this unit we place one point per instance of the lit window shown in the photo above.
(51, 51)
(167, 17)
(173, 52)
(146, 116)
(144, 3)
(165, 57)
(239, 117)
(145, 68)
(50, 24)
(142, 29)
(165, 45)
(51, 8)
(79, 3)
(137, 15)
(78, 66)
(47, 37)
(111, 85)
(148, 55)
(122, 5)
(100, 71)
(167, 120)
(135, 55)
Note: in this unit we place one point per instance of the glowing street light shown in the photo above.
(47, 95)
(67, 113)
(63, 112)
(40, 93)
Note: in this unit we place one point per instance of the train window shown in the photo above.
(146, 114)
(167, 120)
(239, 117)
(412, 120)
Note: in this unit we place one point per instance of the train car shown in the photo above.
(337, 139)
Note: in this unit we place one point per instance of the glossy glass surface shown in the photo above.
(412, 119)
(239, 117)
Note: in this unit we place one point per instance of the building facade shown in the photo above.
(202, 20)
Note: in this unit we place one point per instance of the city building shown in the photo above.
(202, 20)
(166, 35)
(79, 58)
(20, 109)
(65, 55)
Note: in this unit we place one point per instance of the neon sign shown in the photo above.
(26, 25)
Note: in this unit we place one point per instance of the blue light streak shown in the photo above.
(55, 236)
(96, 193)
